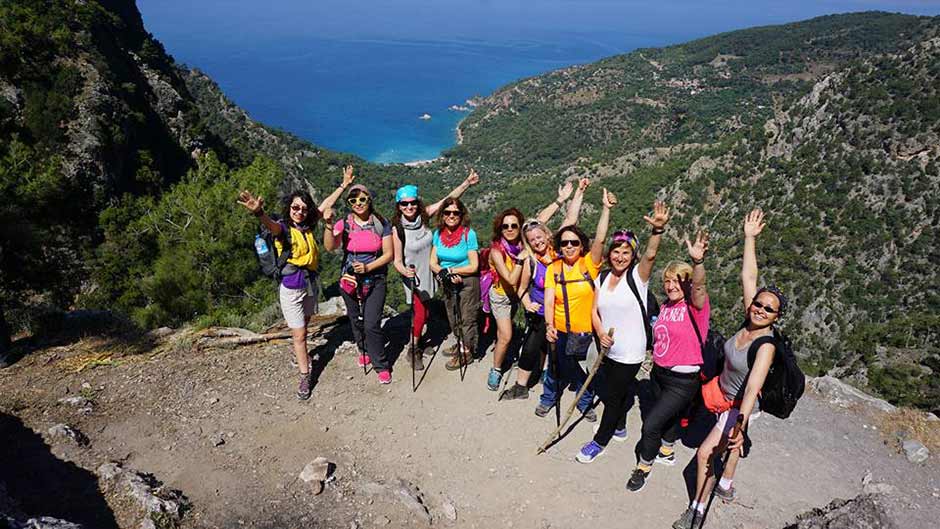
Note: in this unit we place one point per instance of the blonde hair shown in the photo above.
(677, 270)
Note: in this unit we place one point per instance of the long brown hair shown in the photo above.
(422, 212)
(498, 223)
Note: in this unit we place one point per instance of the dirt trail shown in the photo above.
(451, 439)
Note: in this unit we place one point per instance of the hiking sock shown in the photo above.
(666, 450)
(725, 483)
(698, 506)
(645, 467)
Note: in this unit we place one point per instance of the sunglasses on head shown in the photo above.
(767, 308)
(570, 242)
(528, 225)
(510, 226)
(452, 213)
(408, 203)
(302, 209)
(358, 201)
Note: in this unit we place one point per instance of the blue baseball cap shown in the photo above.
(406, 192)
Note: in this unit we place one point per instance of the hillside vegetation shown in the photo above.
(120, 168)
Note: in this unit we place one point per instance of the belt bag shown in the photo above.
(578, 343)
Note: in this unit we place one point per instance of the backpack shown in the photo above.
(785, 382)
(713, 349)
(378, 227)
(649, 310)
(269, 261)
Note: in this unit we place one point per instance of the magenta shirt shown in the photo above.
(675, 342)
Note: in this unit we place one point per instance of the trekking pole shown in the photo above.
(724, 463)
(411, 328)
(360, 321)
(515, 363)
(554, 367)
(458, 333)
(597, 364)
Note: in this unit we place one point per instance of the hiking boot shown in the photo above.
(688, 518)
(589, 415)
(619, 435)
(666, 459)
(385, 377)
(492, 381)
(450, 351)
(304, 389)
(728, 495)
(5, 362)
(363, 360)
(458, 361)
(515, 392)
(589, 452)
(542, 410)
(416, 360)
(637, 480)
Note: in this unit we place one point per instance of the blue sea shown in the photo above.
(357, 76)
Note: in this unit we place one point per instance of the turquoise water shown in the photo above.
(355, 76)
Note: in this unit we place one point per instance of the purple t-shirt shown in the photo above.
(297, 280)
(537, 287)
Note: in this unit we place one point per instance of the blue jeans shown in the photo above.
(569, 374)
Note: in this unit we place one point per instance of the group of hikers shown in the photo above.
(573, 290)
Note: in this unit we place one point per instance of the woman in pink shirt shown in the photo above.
(677, 359)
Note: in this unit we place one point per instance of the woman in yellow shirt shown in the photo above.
(569, 300)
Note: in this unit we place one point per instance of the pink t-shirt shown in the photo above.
(365, 244)
(675, 342)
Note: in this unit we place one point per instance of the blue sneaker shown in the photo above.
(619, 435)
(492, 381)
(589, 452)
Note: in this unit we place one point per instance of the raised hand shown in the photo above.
(472, 178)
(610, 200)
(348, 176)
(564, 191)
(754, 223)
(252, 203)
(660, 216)
(699, 247)
(583, 184)
(328, 214)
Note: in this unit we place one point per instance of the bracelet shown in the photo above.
(657, 231)
(559, 202)
(698, 261)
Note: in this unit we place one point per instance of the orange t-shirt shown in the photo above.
(580, 292)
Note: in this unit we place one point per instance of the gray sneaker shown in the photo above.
(542, 410)
(688, 518)
(726, 495)
(589, 415)
(304, 389)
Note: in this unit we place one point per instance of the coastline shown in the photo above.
(421, 163)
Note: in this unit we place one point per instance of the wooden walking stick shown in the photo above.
(574, 404)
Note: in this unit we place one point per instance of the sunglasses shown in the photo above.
(526, 226)
(570, 242)
(510, 226)
(358, 201)
(452, 213)
(408, 204)
(767, 308)
(301, 209)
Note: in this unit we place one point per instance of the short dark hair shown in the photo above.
(313, 214)
(498, 223)
(585, 242)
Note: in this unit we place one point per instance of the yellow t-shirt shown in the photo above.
(304, 251)
(501, 285)
(580, 293)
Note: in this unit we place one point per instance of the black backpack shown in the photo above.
(785, 381)
(713, 350)
(270, 262)
(649, 310)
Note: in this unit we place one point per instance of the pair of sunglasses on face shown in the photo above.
(767, 308)
(510, 226)
(298, 209)
(408, 204)
(452, 213)
(574, 243)
(359, 201)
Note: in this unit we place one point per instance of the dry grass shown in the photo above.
(915, 424)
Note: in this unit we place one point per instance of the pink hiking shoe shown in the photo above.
(363, 360)
(385, 377)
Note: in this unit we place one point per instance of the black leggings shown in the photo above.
(535, 346)
(672, 394)
(618, 391)
(374, 339)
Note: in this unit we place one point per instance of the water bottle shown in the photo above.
(261, 246)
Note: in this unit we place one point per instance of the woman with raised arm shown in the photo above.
(297, 291)
(733, 394)
(412, 240)
(506, 258)
(569, 292)
(366, 240)
(677, 359)
(455, 262)
(621, 302)
(537, 238)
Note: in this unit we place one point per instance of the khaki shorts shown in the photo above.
(501, 307)
(297, 305)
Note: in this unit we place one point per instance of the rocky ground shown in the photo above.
(182, 433)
